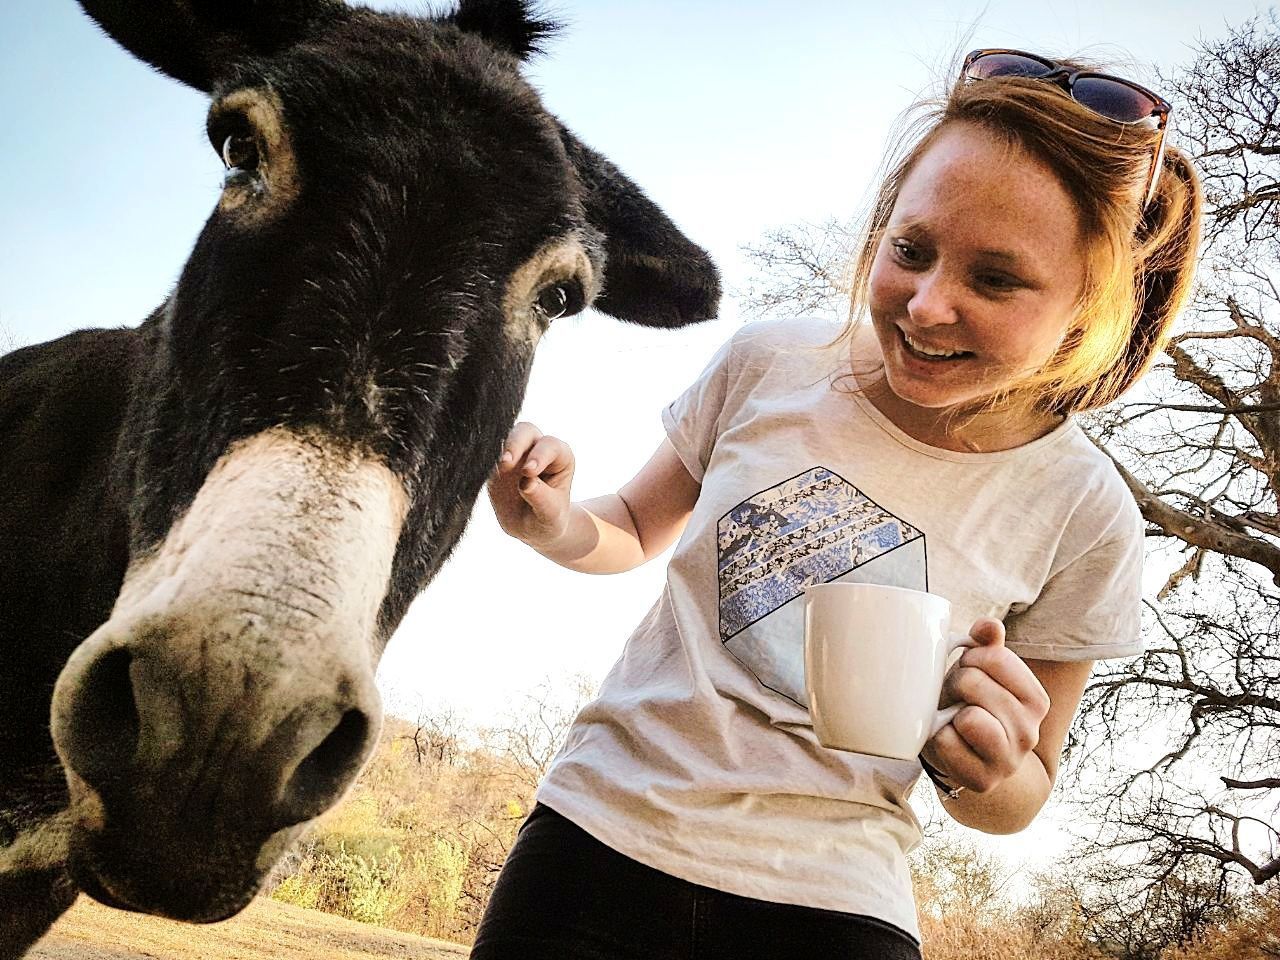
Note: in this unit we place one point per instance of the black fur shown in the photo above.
(509, 24)
(643, 249)
(368, 310)
(198, 41)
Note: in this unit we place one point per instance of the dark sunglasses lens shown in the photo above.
(1006, 65)
(1113, 99)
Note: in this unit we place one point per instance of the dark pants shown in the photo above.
(563, 895)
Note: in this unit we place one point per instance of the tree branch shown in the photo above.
(1267, 783)
(1195, 408)
(1197, 531)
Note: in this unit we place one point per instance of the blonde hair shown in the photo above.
(1139, 264)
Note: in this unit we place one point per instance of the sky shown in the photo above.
(735, 117)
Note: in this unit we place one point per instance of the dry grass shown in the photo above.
(417, 844)
(1253, 935)
(265, 931)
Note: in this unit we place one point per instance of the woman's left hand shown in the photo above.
(989, 739)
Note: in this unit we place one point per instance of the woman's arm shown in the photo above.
(610, 534)
(1005, 746)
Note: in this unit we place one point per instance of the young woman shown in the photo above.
(1025, 257)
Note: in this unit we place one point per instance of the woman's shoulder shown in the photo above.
(768, 341)
(1102, 494)
(810, 331)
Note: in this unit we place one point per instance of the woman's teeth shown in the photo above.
(927, 351)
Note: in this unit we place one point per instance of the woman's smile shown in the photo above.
(922, 350)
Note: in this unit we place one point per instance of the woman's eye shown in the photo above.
(558, 300)
(999, 282)
(906, 252)
(240, 152)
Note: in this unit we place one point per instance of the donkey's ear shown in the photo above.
(198, 41)
(654, 274)
(511, 25)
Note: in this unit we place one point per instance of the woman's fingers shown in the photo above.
(977, 688)
(956, 758)
(988, 632)
(1008, 670)
(519, 442)
(507, 482)
(529, 487)
(529, 453)
(548, 458)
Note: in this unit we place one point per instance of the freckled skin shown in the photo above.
(982, 254)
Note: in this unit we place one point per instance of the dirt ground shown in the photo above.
(265, 931)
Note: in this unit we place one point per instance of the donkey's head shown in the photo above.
(329, 385)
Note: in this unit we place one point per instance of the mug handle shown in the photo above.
(944, 716)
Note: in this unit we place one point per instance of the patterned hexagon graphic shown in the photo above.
(814, 528)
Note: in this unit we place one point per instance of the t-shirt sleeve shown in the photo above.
(1091, 609)
(692, 420)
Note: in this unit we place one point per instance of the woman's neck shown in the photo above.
(950, 429)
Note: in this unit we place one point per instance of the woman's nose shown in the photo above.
(933, 302)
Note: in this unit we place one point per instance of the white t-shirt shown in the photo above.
(698, 757)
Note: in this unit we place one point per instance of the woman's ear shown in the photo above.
(198, 41)
(654, 274)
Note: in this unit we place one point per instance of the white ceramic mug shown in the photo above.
(874, 661)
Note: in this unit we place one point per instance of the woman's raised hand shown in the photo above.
(529, 488)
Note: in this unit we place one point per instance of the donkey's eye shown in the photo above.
(240, 152)
(559, 300)
(553, 301)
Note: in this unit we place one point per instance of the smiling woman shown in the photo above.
(1014, 274)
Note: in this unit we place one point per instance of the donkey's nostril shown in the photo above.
(100, 736)
(326, 771)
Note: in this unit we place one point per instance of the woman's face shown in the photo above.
(978, 274)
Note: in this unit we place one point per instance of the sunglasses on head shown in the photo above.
(1112, 97)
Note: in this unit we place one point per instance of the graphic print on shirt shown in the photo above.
(814, 528)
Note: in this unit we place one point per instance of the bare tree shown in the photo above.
(953, 876)
(1201, 453)
(1176, 911)
(801, 269)
(1204, 703)
(437, 736)
(534, 732)
(8, 340)
(1207, 441)
(1178, 751)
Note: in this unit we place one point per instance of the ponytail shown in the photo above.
(1164, 258)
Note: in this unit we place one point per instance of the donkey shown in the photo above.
(211, 524)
